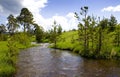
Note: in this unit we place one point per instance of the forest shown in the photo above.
(96, 38)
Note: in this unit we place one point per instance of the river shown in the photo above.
(41, 61)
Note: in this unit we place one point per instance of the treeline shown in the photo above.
(22, 24)
(98, 38)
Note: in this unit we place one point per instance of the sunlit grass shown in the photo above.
(3, 46)
(7, 69)
(68, 40)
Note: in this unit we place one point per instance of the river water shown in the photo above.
(46, 62)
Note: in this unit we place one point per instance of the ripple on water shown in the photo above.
(45, 62)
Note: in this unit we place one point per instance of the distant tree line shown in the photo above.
(24, 23)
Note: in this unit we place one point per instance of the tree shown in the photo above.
(2, 28)
(38, 33)
(12, 24)
(102, 37)
(26, 19)
(54, 33)
(59, 31)
(104, 23)
(117, 35)
(83, 27)
(101, 26)
(112, 23)
(3, 36)
(92, 32)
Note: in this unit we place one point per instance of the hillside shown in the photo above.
(69, 41)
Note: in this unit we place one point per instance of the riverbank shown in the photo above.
(69, 41)
(7, 69)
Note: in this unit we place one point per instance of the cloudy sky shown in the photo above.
(46, 11)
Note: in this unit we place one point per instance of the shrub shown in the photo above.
(12, 51)
(6, 70)
(22, 38)
(3, 37)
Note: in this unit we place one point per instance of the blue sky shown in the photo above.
(46, 11)
(62, 7)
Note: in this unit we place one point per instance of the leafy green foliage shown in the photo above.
(6, 62)
(3, 37)
(2, 28)
(12, 24)
(23, 39)
(94, 39)
(25, 19)
(12, 50)
(9, 52)
(6, 70)
(12, 42)
(59, 29)
(117, 35)
(38, 33)
(54, 33)
(112, 23)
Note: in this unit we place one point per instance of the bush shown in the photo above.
(7, 63)
(117, 52)
(9, 52)
(23, 39)
(6, 70)
(12, 51)
(3, 37)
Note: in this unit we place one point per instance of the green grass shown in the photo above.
(6, 67)
(69, 41)
(6, 70)
(3, 46)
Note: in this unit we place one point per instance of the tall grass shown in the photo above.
(6, 68)
(9, 52)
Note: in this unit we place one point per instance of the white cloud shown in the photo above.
(72, 20)
(35, 6)
(67, 22)
(112, 9)
(1, 9)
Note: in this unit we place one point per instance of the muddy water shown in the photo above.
(45, 62)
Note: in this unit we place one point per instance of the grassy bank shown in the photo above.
(7, 69)
(9, 52)
(69, 41)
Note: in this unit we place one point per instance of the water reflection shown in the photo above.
(46, 62)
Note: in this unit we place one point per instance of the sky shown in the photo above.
(46, 11)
